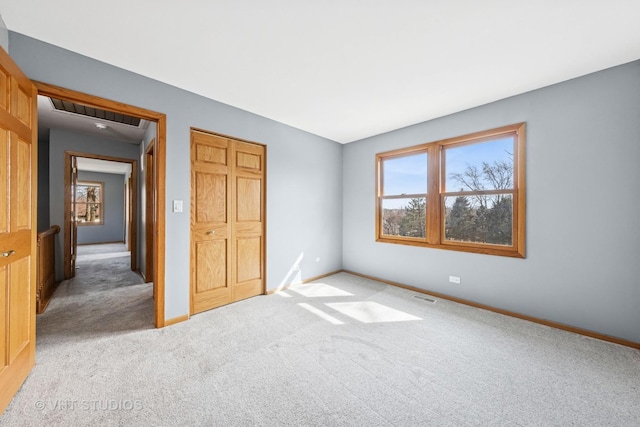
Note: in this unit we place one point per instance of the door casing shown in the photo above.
(70, 225)
(160, 119)
(149, 211)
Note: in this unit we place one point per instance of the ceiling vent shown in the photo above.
(72, 107)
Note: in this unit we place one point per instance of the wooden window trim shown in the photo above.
(436, 179)
(101, 203)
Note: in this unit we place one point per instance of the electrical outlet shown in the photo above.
(454, 279)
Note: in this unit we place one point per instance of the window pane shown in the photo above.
(404, 217)
(405, 175)
(88, 203)
(479, 219)
(81, 193)
(93, 214)
(482, 166)
(89, 212)
(81, 212)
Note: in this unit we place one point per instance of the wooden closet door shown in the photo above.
(248, 220)
(210, 221)
(227, 220)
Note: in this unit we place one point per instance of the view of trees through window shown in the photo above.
(89, 203)
(482, 210)
(405, 219)
(474, 192)
(405, 191)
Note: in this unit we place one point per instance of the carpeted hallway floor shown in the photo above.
(343, 351)
(104, 298)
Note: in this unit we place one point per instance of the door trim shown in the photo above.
(70, 205)
(149, 213)
(161, 139)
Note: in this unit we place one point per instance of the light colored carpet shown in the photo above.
(102, 248)
(87, 253)
(343, 352)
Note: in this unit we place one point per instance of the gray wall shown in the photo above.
(59, 142)
(112, 229)
(4, 35)
(304, 171)
(583, 205)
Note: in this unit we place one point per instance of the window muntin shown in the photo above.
(473, 199)
(89, 203)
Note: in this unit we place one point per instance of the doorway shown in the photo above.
(158, 234)
(76, 214)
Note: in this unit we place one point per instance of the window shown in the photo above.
(465, 193)
(89, 203)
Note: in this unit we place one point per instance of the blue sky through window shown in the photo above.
(405, 175)
(408, 174)
(458, 158)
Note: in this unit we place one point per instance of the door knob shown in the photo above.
(8, 253)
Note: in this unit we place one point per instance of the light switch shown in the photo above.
(177, 205)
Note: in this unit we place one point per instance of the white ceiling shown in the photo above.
(343, 69)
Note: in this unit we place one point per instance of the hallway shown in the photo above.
(103, 266)
(104, 298)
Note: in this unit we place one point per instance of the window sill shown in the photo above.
(471, 248)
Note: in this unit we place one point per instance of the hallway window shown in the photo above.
(89, 201)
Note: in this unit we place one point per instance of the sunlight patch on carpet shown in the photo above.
(283, 294)
(312, 290)
(371, 312)
(320, 313)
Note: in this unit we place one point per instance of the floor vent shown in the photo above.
(427, 299)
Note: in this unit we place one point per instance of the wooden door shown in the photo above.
(227, 220)
(210, 221)
(248, 220)
(18, 157)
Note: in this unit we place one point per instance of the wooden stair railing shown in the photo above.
(46, 273)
